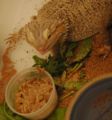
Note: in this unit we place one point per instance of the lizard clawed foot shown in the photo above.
(104, 51)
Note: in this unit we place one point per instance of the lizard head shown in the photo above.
(44, 34)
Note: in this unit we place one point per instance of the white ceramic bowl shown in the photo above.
(12, 87)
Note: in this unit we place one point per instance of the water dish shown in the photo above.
(93, 101)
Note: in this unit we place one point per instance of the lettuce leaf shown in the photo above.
(58, 114)
(7, 114)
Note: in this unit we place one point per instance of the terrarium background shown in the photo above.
(13, 15)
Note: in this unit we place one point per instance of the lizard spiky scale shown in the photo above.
(79, 19)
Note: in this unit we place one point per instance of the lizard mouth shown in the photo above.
(42, 50)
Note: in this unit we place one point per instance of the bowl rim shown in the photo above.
(93, 82)
(21, 73)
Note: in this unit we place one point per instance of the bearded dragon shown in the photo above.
(59, 20)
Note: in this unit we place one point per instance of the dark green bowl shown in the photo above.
(93, 101)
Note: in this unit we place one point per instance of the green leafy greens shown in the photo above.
(69, 55)
(54, 66)
(83, 49)
(58, 114)
(74, 85)
(7, 114)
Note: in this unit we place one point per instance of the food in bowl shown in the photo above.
(33, 94)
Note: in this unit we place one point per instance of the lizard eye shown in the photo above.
(46, 34)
